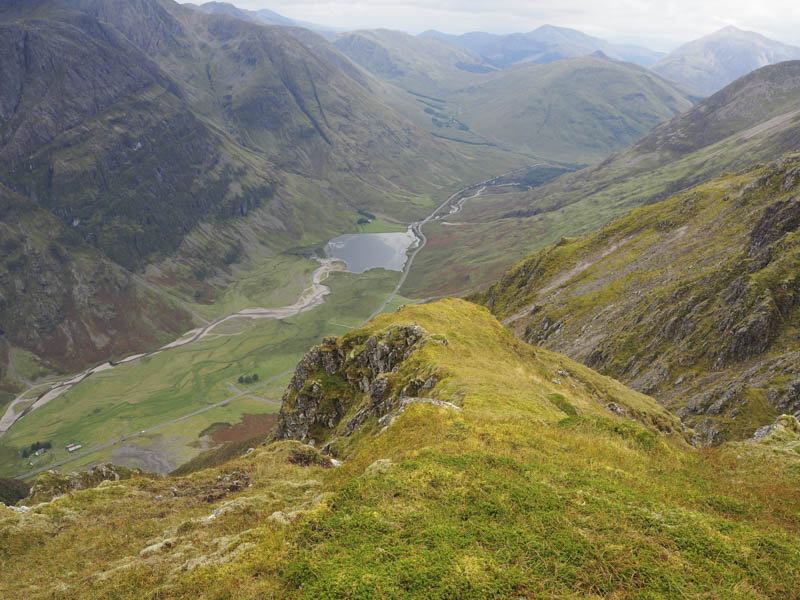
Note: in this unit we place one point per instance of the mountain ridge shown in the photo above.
(710, 63)
(544, 44)
(508, 450)
(691, 299)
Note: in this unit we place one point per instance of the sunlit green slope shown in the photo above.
(515, 472)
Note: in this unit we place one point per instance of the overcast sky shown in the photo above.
(661, 24)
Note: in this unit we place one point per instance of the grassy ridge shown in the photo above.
(515, 495)
(693, 299)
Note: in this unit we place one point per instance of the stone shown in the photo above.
(379, 467)
(364, 365)
(279, 517)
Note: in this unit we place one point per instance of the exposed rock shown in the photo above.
(777, 220)
(379, 467)
(51, 484)
(158, 547)
(785, 426)
(279, 517)
(351, 372)
(387, 420)
(705, 433)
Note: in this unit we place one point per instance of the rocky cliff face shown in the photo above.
(694, 300)
(343, 382)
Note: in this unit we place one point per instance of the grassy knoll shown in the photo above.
(139, 395)
(533, 489)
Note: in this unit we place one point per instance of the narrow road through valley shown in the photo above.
(311, 297)
(423, 240)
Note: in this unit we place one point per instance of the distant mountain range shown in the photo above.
(575, 110)
(702, 66)
(545, 44)
(712, 62)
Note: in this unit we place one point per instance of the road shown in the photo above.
(310, 298)
(423, 240)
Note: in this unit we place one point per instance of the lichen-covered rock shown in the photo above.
(354, 375)
(786, 428)
(51, 484)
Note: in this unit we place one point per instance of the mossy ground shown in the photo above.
(510, 497)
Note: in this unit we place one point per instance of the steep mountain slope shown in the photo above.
(62, 300)
(511, 472)
(710, 63)
(545, 44)
(576, 110)
(423, 65)
(175, 143)
(694, 300)
(754, 119)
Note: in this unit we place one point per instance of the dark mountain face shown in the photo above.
(65, 302)
(126, 125)
(58, 74)
(99, 135)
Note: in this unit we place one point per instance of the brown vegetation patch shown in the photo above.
(251, 426)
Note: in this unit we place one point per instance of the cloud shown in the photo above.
(660, 24)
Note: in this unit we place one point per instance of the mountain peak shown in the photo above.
(708, 64)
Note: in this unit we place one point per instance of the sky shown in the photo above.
(658, 24)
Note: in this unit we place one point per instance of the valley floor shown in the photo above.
(157, 409)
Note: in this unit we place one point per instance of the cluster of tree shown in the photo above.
(248, 379)
(366, 217)
(36, 446)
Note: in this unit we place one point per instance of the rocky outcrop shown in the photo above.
(51, 484)
(701, 314)
(356, 377)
